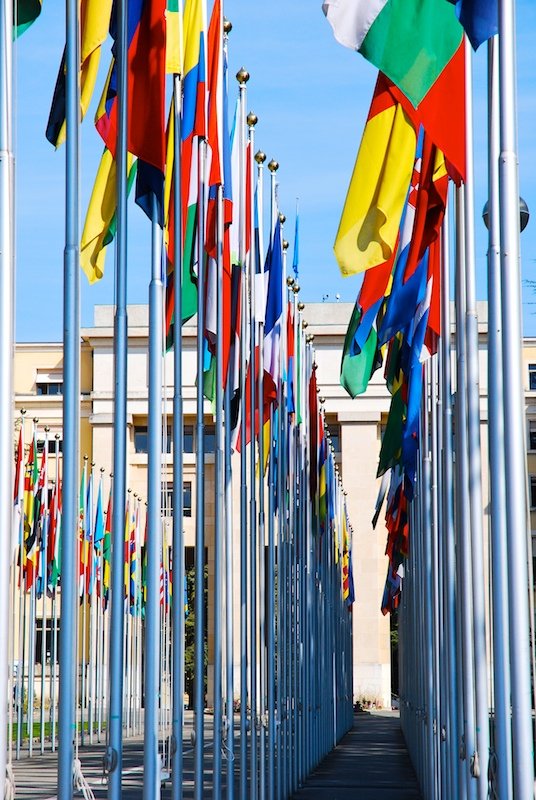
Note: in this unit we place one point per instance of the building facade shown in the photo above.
(355, 427)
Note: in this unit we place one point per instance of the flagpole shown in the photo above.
(463, 508)
(447, 522)
(257, 756)
(274, 762)
(242, 78)
(151, 758)
(260, 158)
(7, 295)
(44, 533)
(474, 455)
(218, 512)
(514, 417)
(178, 465)
(71, 406)
(502, 745)
(199, 638)
(114, 752)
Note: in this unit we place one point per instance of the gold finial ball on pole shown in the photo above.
(304, 324)
(296, 287)
(92, 464)
(242, 76)
(282, 218)
(227, 25)
(285, 244)
(321, 400)
(309, 338)
(102, 470)
(252, 119)
(290, 281)
(57, 436)
(273, 165)
(260, 157)
(47, 429)
(22, 412)
(301, 305)
(86, 458)
(36, 420)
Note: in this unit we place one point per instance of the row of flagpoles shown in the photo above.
(122, 627)
(465, 625)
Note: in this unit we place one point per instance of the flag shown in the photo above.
(18, 497)
(146, 85)
(378, 187)
(274, 317)
(26, 12)
(54, 535)
(101, 221)
(174, 53)
(30, 488)
(94, 24)
(107, 554)
(410, 41)
(480, 19)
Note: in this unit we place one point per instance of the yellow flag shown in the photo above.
(371, 216)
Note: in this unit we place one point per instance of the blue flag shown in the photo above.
(480, 19)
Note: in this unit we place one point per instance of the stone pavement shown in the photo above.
(370, 763)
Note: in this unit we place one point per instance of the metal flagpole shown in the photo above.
(256, 756)
(514, 417)
(151, 758)
(259, 310)
(218, 514)
(474, 456)
(229, 598)
(178, 576)
(502, 740)
(114, 752)
(7, 295)
(242, 78)
(274, 762)
(447, 487)
(229, 559)
(462, 507)
(199, 636)
(71, 406)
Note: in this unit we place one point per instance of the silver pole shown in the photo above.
(114, 752)
(71, 407)
(243, 77)
(229, 597)
(447, 486)
(256, 754)
(462, 509)
(199, 637)
(178, 469)
(218, 514)
(502, 744)
(151, 758)
(514, 417)
(274, 761)
(475, 464)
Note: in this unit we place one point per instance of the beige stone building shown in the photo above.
(355, 426)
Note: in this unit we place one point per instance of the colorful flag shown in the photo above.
(480, 19)
(174, 53)
(410, 41)
(375, 200)
(101, 221)
(95, 21)
(26, 12)
(18, 497)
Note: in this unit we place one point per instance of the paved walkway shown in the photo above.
(370, 763)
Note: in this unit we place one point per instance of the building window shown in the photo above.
(141, 439)
(532, 434)
(51, 641)
(210, 439)
(49, 388)
(533, 492)
(532, 377)
(335, 433)
(167, 499)
(188, 443)
(51, 445)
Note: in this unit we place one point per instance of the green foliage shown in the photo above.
(189, 636)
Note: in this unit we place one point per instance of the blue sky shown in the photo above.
(311, 96)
